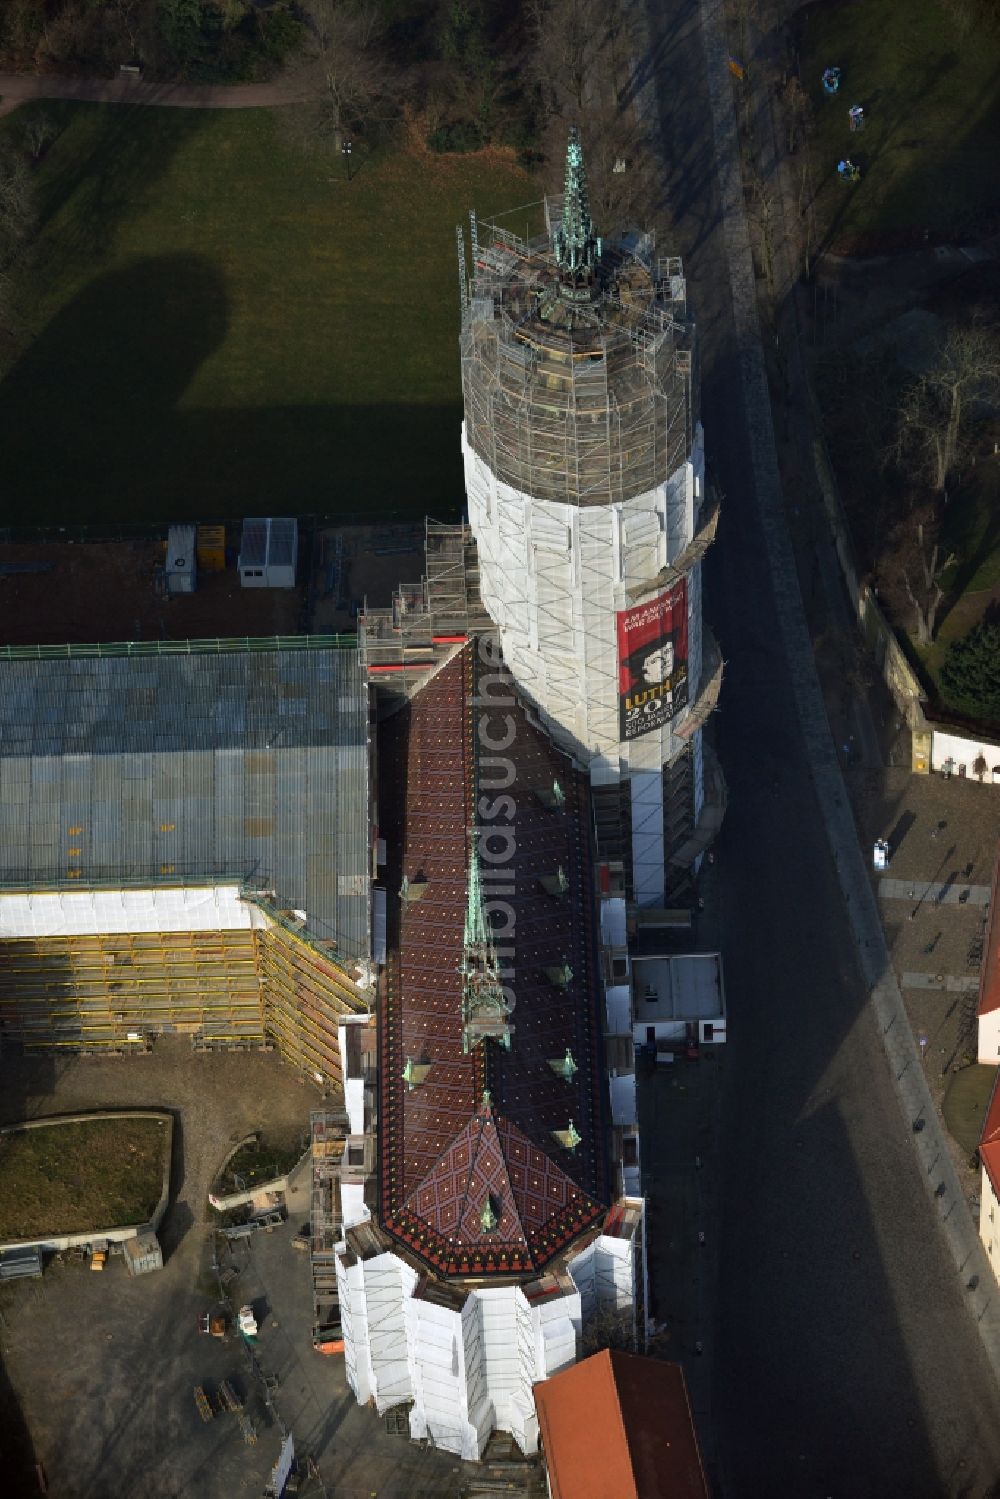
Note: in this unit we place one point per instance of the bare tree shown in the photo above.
(346, 67)
(39, 131)
(583, 53)
(798, 115)
(17, 220)
(806, 204)
(568, 37)
(762, 219)
(936, 412)
(17, 205)
(609, 1327)
(126, 12)
(921, 569)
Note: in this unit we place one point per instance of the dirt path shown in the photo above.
(20, 88)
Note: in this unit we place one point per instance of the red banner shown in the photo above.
(652, 662)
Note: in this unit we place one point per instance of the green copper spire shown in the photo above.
(477, 929)
(577, 249)
(485, 1008)
(488, 1218)
(564, 1067)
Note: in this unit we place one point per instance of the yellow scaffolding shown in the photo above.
(306, 998)
(226, 989)
(113, 992)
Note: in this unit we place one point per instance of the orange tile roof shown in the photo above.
(989, 1140)
(989, 980)
(619, 1426)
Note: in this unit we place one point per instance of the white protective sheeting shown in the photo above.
(439, 1379)
(604, 1274)
(619, 1006)
(352, 1204)
(468, 1372)
(553, 577)
(78, 913)
(378, 926)
(388, 1283)
(623, 1102)
(613, 932)
(354, 1325)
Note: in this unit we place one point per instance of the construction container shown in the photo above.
(212, 549)
(269, 551)
(15, 1263)
(143, 1253)
(181, 567)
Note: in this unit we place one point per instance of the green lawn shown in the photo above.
(965, 1103)
(261, 1161)
(219, 325)
(932, 99)
(71, 1178)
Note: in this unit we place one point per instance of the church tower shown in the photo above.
(585, 474)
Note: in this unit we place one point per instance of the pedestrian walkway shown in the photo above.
(22, 88)
(950, 983)
(938, 892)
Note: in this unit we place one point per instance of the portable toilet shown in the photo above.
(182, 565)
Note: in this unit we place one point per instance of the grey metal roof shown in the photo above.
(244, 763)
(253, 543)
(282, 541)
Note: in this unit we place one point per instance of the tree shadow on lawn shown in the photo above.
(971, 559)
(92, 428)
(121, 163)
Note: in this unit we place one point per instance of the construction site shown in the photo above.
(281, 854)
(581, 401)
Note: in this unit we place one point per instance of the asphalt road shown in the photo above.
(845, 1363)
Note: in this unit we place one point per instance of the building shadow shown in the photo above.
(94, 398)
(93, 411)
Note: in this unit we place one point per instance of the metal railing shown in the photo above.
(211, 647)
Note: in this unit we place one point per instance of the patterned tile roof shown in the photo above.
(445, 1159)
(494, 1197)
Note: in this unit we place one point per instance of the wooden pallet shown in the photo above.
(201, 1400)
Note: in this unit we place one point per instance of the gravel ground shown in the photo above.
(103, 1366)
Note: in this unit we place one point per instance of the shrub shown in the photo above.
(971, 672)
(457, 136)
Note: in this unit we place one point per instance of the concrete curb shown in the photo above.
(275, 1184)
(885, 998)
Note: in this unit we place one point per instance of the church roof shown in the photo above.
(495, 1193)
(448, 1162)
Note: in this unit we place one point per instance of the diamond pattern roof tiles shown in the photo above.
(450, 1165)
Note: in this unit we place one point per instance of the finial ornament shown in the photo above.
(576, 246)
